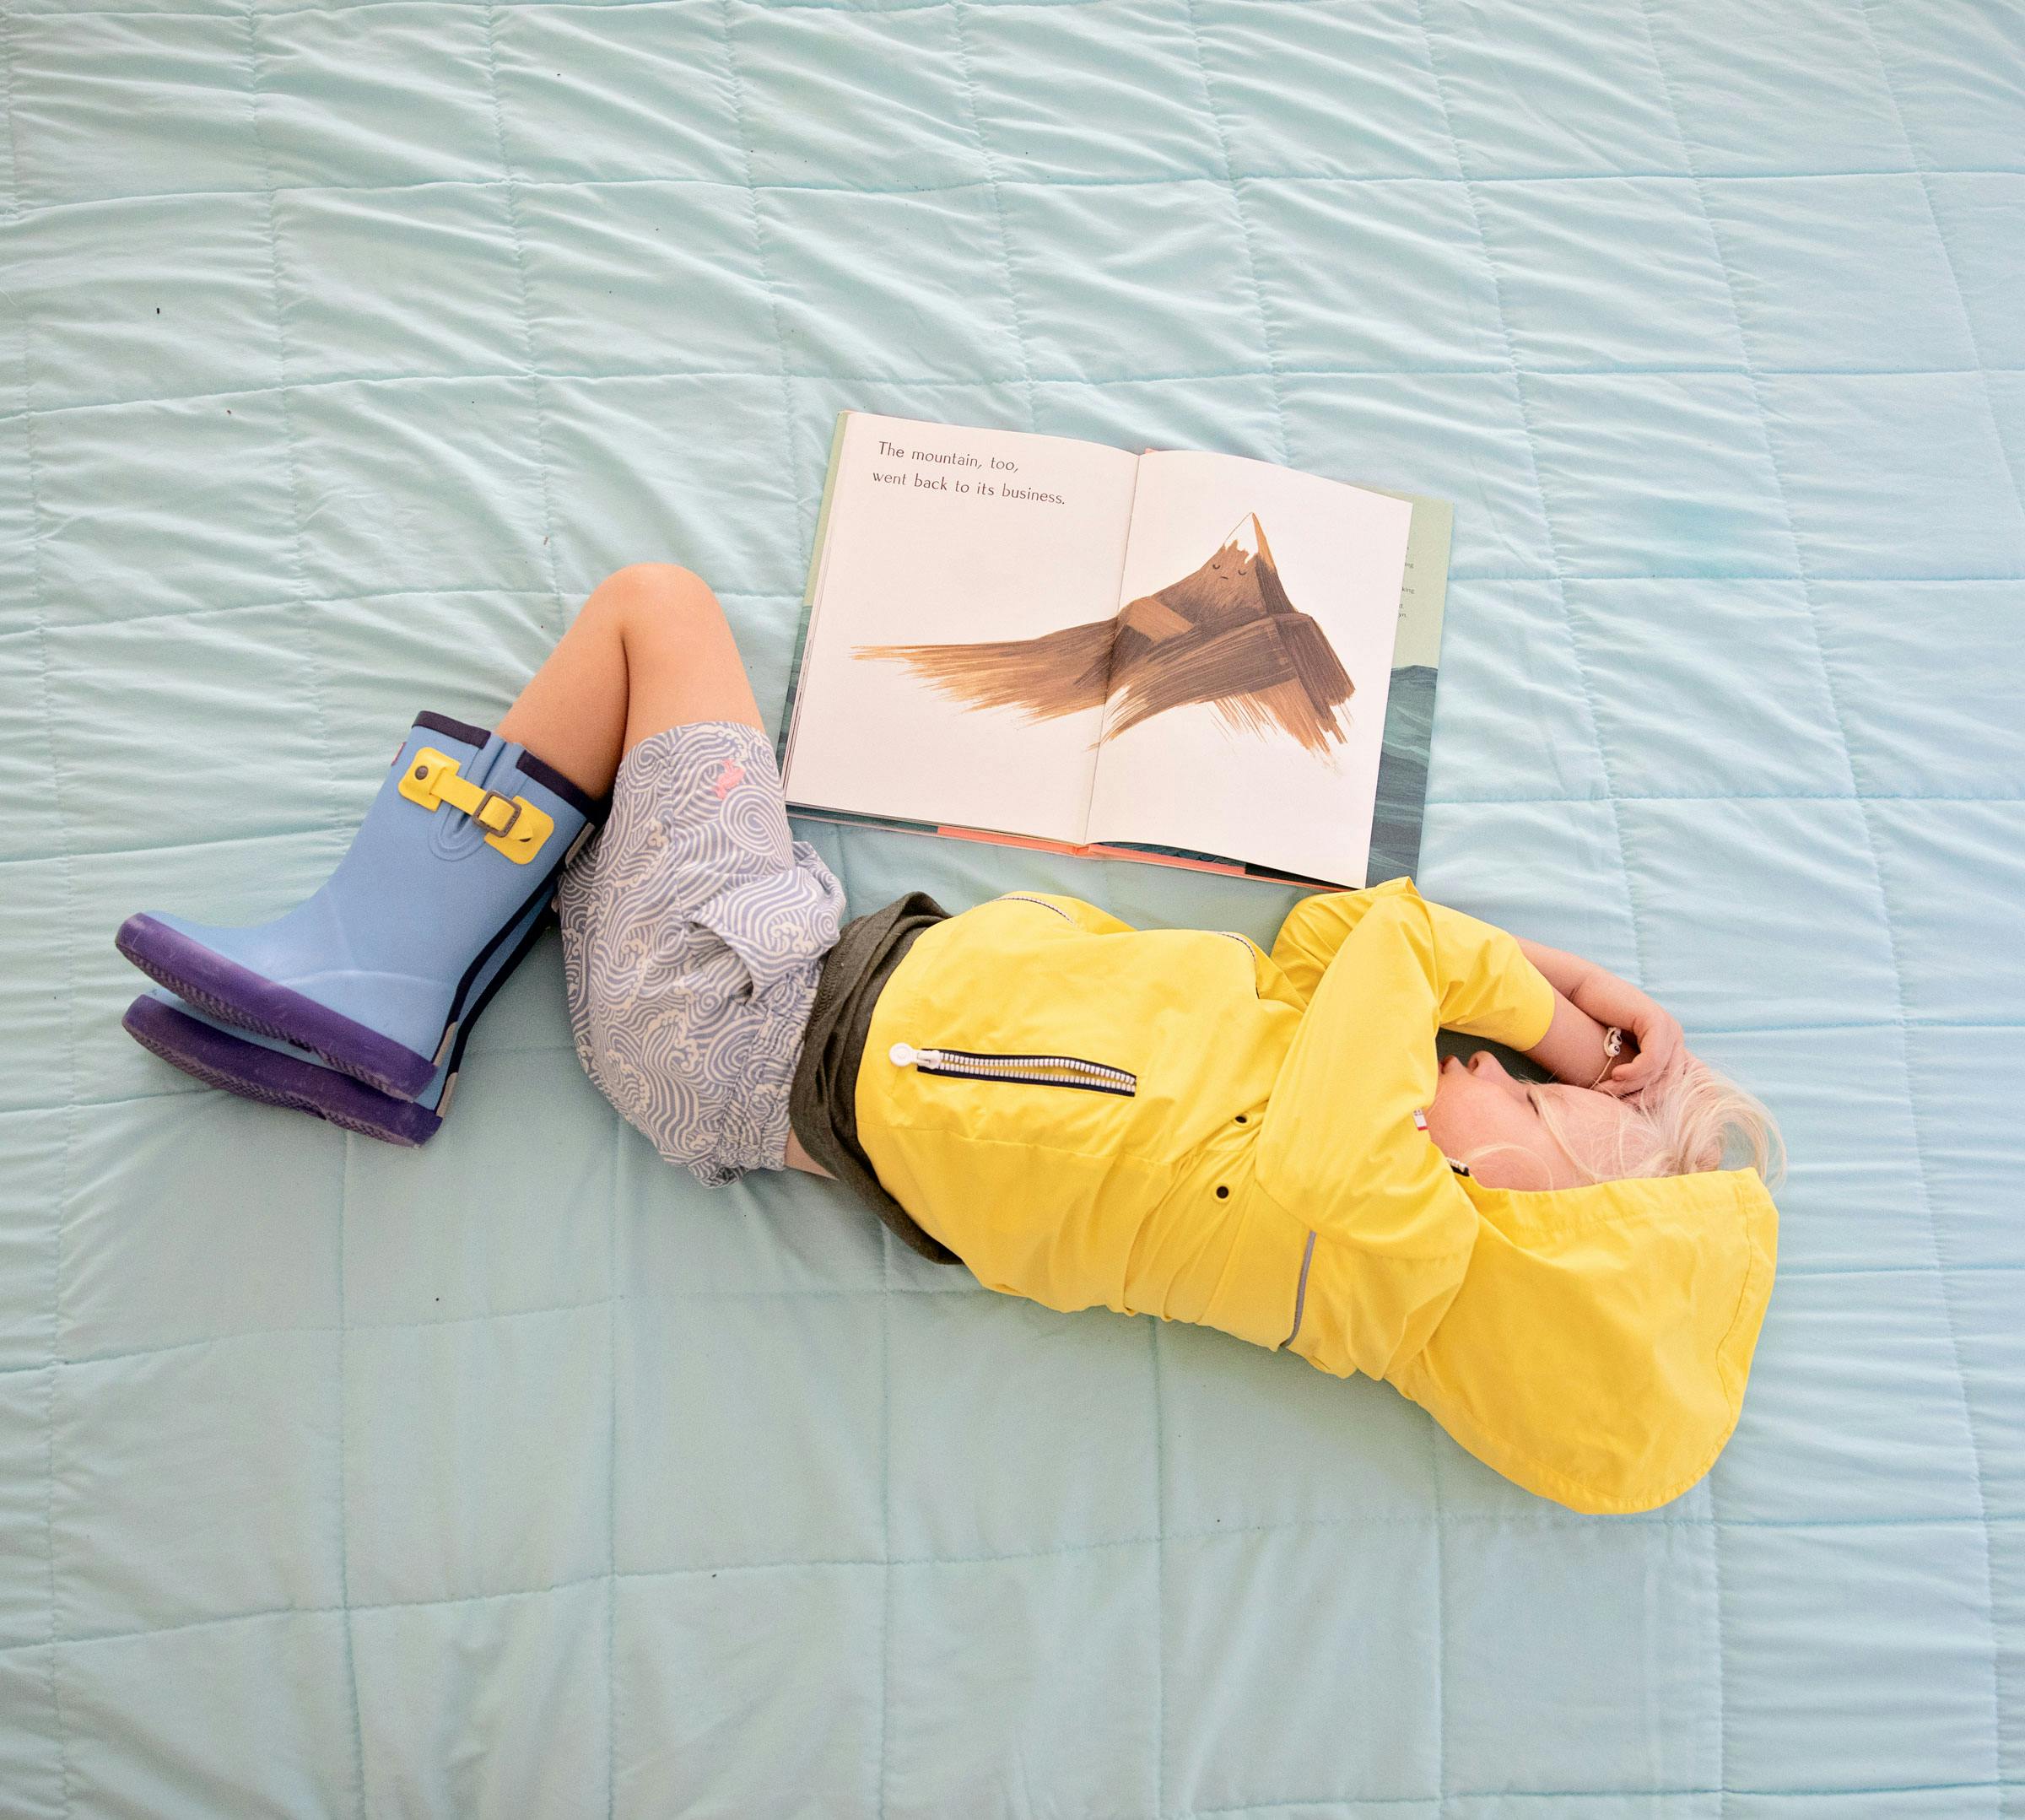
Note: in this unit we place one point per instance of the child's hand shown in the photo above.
(1590, 1000)
(1662, 1048)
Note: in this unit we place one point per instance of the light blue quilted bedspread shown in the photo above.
(345, 348)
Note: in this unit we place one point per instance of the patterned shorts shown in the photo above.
(694, 930)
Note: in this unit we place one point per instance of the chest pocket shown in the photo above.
(1075, 1072)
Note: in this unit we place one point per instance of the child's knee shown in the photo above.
(660, 592)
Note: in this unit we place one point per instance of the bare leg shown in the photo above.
(650, 649)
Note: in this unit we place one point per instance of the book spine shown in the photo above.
(786, 737)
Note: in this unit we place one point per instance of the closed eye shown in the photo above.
(1532, 1095)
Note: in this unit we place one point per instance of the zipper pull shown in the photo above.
(903, 1054)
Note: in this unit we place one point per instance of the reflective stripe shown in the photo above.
(1021, 897)
(1253, 951)
(1300, 1295)
(1037, 1071)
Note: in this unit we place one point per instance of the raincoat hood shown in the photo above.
(1592, 1343)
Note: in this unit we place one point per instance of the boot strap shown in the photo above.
(512, 824)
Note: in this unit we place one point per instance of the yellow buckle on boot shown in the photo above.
(512, 824)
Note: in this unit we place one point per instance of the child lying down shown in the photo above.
(1568, 1276)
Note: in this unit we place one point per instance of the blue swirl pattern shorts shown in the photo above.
(694, 930)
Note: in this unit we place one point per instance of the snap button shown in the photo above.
(1222, 1193)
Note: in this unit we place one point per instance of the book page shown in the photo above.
(954, 666)
(1256, 617)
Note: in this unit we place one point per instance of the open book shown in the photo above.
(1192, 658)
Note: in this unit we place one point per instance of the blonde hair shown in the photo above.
(1694, 1119)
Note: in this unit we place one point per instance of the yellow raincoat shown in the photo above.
(1172, 1122)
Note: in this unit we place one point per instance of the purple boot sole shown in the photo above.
(253, 1072)
(235, 995)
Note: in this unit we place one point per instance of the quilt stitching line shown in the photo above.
(2000, 1675)
(1891, 935)
(1948, 251)
(1769, 795)
(747, 148)
(1721, 1649)
(1665, 1794)
(508, 180)
(1251, 256)
(998, 209)
(1547, 510)
(789, 6)
(1159, 180)
(6, 96)
(283, 392)
(735, 81)
(613, 1298)
(1162, 181)
(94, 1361)
(22, 634)
(65, 1159)
(1943, 1274)
(343, 1389)
(1441, 1618)
(1494, 1519)
(1557, 1518)
(886, 1244)
(421, 596)
(1680, 129)
(976, 383)
(1160, 1539)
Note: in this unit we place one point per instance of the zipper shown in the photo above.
(1037, 1071)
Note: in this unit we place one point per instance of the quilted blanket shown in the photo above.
(345, 347)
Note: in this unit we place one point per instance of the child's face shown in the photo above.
(1477, 1104)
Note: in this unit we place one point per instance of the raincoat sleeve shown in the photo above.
(1379, 970)
(1340, 1150)
(1483, 984)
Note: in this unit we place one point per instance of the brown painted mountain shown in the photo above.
(1226, 636)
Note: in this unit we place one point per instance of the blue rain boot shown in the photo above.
(279, 1074)
(372, 975)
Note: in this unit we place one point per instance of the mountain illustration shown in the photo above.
(1225, 635)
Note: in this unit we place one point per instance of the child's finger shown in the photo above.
(1638, 1074)
(1652, 1064)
